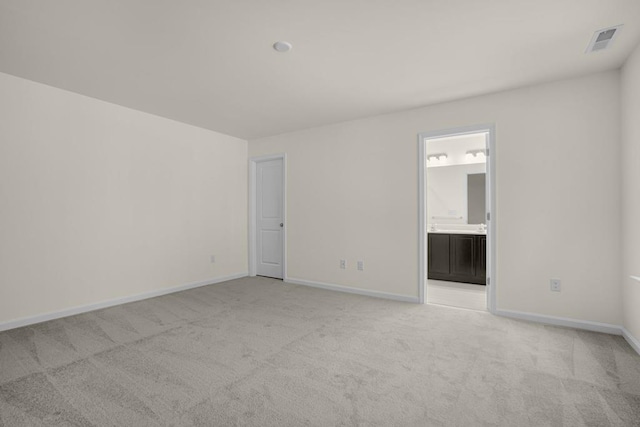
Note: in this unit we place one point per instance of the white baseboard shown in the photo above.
(24, 321)
(606, 328)
(633, 341)
(538, 318)
(350, 290)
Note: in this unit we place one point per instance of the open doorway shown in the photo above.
(456, 228)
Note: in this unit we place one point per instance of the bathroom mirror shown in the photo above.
(476, 198)
(456, 194)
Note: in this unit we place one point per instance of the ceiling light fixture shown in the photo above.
(282, 46)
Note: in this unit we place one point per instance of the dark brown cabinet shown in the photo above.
(439, 257)
(457, 257)
(481, 258)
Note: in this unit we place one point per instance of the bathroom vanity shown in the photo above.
(457, 256)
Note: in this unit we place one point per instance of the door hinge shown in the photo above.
(488, 280)
(488, 216)
(487, 153)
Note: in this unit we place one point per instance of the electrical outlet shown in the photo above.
(361, 265)
(556, 285)
(213, 259)
(343, 264)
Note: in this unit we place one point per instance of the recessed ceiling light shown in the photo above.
(282, 46)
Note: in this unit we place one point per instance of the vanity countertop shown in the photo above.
(483, 233)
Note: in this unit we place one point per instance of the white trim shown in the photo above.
(252, 219)
(606, 328)
(24, 321)
(252, 211)
(633, 341)
(422, 220)
(350, 290)
(490, 129)
(284, 218)
(492, 260)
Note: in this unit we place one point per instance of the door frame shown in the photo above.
(423, 137)
(253, 162)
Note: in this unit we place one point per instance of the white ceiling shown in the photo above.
(210, 62)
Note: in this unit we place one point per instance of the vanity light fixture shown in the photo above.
(476, 153)
(437, 156)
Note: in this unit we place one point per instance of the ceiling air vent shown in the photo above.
(602, 39)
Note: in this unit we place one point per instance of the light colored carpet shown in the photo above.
(260, 352)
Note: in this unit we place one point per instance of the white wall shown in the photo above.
(447, 193)
(630, 89)
(352, 191)
(98, 201)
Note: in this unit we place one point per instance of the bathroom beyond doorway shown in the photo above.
(455, 200)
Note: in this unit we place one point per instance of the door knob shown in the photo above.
(281, 224)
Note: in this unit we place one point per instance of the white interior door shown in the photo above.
(269, 218)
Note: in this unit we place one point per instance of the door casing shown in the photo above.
(423, 137)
